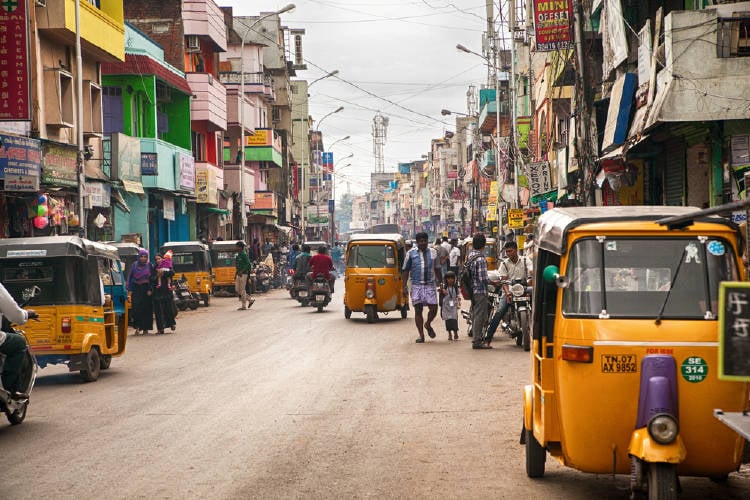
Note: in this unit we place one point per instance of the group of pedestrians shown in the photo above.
(150, 286)
(434, 270)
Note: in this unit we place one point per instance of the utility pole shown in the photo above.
(583, 110)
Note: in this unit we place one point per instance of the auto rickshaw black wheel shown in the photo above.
(206, 299)
(347, 312)
(93, 366)
(370, 312)
(193, 305)
(536, 456)
(105, 361)
(18, 416)
(181, 306)
(662, 481)
(404, 311)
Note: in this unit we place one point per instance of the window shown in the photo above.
(112, 110)
(734, 35)
(198, 145)
(629, 277)
(92, 109)
(377, 256)
(58, 97)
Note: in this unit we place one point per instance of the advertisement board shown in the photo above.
(20, 162)
(552, 25)
(15, 101)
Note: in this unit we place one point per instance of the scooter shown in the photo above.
(301, 293)
(15, 405)
(518, 324)
(262, 278)
(320, 294)
(183, 297)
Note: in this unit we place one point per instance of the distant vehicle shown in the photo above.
(385, 229)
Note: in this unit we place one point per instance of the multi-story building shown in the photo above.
(46, 145)
(193, 34)
(148, 139)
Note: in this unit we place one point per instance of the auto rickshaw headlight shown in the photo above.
(370, 294)
(370, 288)
(663, 428)
(198, 281)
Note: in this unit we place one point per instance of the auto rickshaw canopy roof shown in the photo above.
(126, 248)
(185, 246)
(374, 237)
(55, 246)
(225, 245)
(553, 226)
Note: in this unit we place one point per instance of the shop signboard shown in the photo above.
(515, 218)
(59, 164)
(259, 138)
(539, 177)
(205, 186)
(168, 207)
(149, 164)
(15, 102)
(552, 25)
(185, 172)
(99, 193)
(20, 163)
(126, 162)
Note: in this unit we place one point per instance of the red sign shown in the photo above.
(14, 67)
(552, 22)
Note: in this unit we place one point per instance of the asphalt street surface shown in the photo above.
(284, 402)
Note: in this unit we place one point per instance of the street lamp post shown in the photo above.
(243, 211)
(320, 169)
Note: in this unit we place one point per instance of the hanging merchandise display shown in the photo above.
(42, 212)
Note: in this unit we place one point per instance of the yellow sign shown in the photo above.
(492, 195)
(259, 138)
(492, 211)
(515, 218)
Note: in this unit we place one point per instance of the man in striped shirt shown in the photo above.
(422, 266)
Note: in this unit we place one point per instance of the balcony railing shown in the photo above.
(255, 83)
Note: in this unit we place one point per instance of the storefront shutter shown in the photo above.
(674, 173)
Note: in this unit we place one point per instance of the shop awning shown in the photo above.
(133, 186)
(284, 229)
(120, 201)
(214, 210)
(95, 172)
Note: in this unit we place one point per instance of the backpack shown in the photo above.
(467, 289)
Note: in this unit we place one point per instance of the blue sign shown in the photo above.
(331, 206)
(149, 164)
(327, 157)
(20, 156)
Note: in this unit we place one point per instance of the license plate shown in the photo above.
(520, 299)
(320, 298)
(302, 293)
(619, 363)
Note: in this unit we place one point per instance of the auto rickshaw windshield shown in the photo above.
(222, 258)
(376, 256)
(647, 277)
(189, 262)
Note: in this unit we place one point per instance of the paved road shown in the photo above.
(285, 402)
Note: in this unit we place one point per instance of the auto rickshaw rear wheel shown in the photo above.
(662, 481)
(18, 416)
(93, 365)
(536, 456)
(105, 361)
(371, 313)
(347, 312)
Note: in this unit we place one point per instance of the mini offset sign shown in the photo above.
(734, 330)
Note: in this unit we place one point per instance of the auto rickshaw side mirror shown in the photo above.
(552, 273)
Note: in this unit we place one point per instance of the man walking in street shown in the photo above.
(242, 270)
(478, 268)
(454, 256)
(423, 268)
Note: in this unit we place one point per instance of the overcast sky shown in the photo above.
(404, 52)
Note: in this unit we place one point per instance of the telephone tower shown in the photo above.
(379, 128)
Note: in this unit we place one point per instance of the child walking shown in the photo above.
(451, 302)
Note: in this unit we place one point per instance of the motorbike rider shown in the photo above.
(321, 264)
(513, 268)
(12, 344)
(302, 264)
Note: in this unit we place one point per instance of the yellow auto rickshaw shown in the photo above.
(192, 260)
(624, 345)
(223, 255)
(128, 253)
(490, 252)
(83, 318)
(373, 275)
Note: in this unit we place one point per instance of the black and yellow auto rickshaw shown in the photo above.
(373, 275)
(128, 255)
(223, 254)
(83, 318)
(192, 260)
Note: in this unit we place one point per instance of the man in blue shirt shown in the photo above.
(422, 266)
(478, 268)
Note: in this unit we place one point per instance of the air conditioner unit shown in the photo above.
(41, 3)
(193, 43)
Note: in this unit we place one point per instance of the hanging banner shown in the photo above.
(205, 186)
(15, 104)
(185, 172)
(539, 177)
(552, 25)
(126, 162)
(168, 207)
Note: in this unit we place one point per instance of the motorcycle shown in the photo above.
(289, 283)
(301, 293)
(518, 316)
(320, 294)
(15, 405)
(262, 278)
(183, 297)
